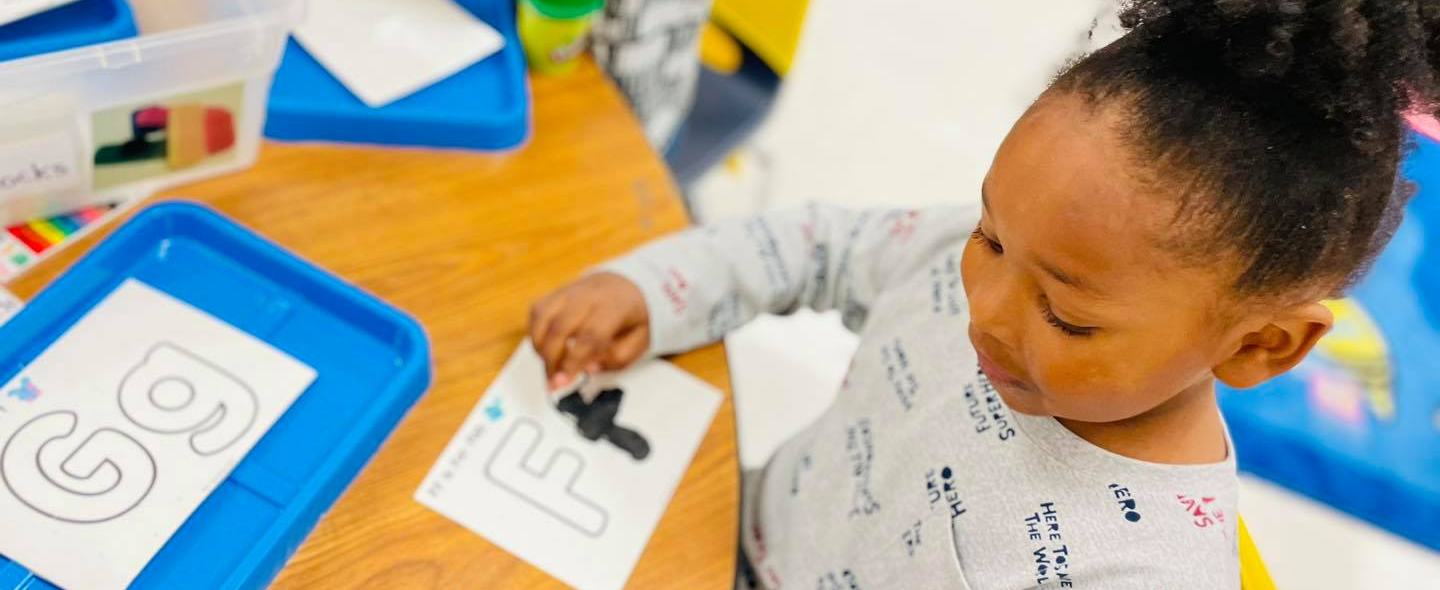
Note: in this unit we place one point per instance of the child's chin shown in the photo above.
(1022, 401)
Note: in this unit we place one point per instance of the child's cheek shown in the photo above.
(1090, 385)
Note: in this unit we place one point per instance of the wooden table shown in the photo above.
(465, 242)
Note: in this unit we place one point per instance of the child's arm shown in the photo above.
(692, 288)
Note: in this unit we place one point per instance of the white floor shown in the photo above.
(903, 103)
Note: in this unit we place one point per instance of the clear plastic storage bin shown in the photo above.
(183, 101)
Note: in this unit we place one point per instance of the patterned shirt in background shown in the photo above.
(919, 476)
(651, 48)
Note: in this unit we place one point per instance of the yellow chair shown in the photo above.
(1253, 575)
(770, 28)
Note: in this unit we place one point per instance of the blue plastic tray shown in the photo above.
(74, 25)
(372, 363)
(1360, 429)
(485, 106)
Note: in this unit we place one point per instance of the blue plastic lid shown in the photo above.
(372, 364)
(86, 22)
(1355, 426)
(485, 106)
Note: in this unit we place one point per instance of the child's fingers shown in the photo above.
(627, 348)
(561, 328)
(592, 339)
(541, 315)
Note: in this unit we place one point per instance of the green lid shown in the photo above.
(564, 9)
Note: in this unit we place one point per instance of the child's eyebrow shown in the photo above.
(1063, 277)
(1050, 269)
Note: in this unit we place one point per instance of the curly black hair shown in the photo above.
(1279, 123)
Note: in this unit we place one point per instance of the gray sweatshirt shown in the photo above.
(919, 476)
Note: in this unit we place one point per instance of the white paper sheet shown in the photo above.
(385, 50)
(519, 473)
(13, 10)
(118, 431)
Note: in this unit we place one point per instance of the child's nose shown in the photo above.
(995, 311)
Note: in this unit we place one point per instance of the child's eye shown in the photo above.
(979, 236)
(1066, 327)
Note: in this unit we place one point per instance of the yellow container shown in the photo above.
(554, 32)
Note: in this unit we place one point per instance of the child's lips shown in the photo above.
(997, 374)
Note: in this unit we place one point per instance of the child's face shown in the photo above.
(1076, 311)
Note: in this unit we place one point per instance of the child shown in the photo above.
(1033, 400)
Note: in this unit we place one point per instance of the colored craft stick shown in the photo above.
(41, 235)
(32, 240)
(90, 214)
(65, 225)
(47, 230)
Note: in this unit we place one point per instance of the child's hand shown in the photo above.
(597, 323)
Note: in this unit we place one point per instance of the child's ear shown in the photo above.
(1275, 347)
